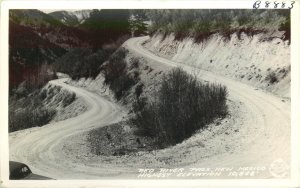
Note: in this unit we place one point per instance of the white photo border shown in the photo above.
(294, 181)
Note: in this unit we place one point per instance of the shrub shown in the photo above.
(30, 111)
(145, 118)
(135, 63)
(68, 99)
(121, 85)
(117, 76)
(139, 90)
(181, 106)
(43, 94)
(82, 63)
(115, 67)
(271, 77)
(29, 117)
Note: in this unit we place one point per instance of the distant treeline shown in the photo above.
(202, 23)
(106, 26)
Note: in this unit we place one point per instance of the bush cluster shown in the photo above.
(82, 63)
(26, 112)
(29, 110)
(68, 99)
(271, 77)
(117, 76)
(181, 106)
(29, 117)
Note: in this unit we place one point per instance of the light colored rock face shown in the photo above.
(72, 18)
(248, 59)
(82, 15)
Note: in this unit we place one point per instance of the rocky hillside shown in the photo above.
(254, 60)
(253, 47)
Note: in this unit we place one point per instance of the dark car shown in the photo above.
(20, 171)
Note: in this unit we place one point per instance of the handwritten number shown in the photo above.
(256, 5)
(267, 4)
(292, 5)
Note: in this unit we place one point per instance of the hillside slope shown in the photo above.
(261, 138)
(258, 60)
(49, 28)
(30, 57)
(252, 46)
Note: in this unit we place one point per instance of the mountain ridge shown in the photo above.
(71, 18)
(49, 28)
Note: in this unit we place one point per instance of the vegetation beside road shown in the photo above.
(181, 106)
(38, 108)
(117, 74)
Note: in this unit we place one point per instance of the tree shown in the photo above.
(137, 25)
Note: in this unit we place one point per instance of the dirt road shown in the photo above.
(37, 147)
(269, 115)
(266, 115)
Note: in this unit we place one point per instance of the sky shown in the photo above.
(53, 10)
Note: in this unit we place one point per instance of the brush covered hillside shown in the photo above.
(49, 28)
(32, 51)
(30, 57)
(107, 29)
(40, 45)
(36, 40)
(252, 46)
